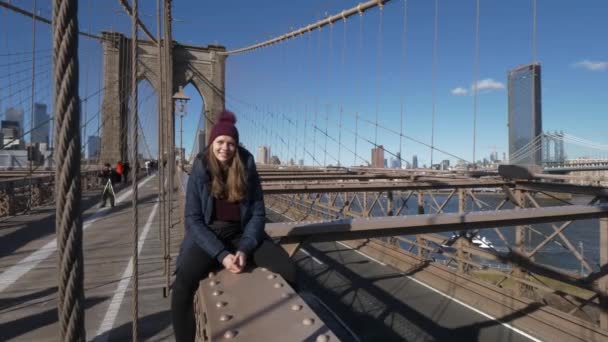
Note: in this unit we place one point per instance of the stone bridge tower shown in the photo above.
(204, 67)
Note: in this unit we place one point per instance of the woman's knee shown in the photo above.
(194, 266)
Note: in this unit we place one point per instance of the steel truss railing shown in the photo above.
(346, 211)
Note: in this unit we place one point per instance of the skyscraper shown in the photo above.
(525, 119)
(378, 157)
(41, 131)
(15, 114)
(415, 162)
(398, 160)
(263, 155)
(199, 142)
(93, 147)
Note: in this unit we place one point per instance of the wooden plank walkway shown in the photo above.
(28, 270)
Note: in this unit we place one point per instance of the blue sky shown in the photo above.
(308, 76)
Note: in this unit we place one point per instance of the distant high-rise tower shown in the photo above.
(199, 142)
(398, 160)
(525, 119)
(263, 154)
(41, 131)
(415, 162)
(15, 114)
(94, 147)
(378, 157)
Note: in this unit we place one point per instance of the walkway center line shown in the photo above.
(11, 275)
(107, 324)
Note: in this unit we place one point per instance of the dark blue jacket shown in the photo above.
(199, 209)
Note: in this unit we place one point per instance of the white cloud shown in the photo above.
(592, 65)
(459, 91)
(485, 85)
(488, 84)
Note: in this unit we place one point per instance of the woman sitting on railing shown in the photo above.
(224, 221)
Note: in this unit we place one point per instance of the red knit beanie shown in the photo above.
(225, 126)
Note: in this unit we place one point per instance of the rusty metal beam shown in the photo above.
(289, 188)
(359, 228)
(562, 187)
(295, 177)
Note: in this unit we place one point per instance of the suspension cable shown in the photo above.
(342, 92)
(33, 99)
(475, 80)
(68, 218)
(134, 128)
(360, 8)
(327, 84)
(434, 78)
(359, 77)
(130, 11)
(402, 97)
(378, 72)
(37, 17)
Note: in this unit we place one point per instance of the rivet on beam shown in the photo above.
(322, 338)
(229, 334)
(308, 321)
(278, 285)
(271, 276)
(296, 307)
(217, 293)
(220, 304)
(213, 283)
(225, 318)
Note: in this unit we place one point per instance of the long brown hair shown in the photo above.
(227, 181)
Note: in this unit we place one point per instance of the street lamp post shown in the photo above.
(181, 100)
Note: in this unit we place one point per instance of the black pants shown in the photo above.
(196, 265)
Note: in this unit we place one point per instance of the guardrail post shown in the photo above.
(36, 195)
(519, 244)
(420, 212)
(389, 203)
(462, 198)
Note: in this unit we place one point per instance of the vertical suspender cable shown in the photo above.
(358, 92)
(171, 135)
(68, 220)
(331, 35)
(475, 80)
(134, 161)
(434, 79)
(86, 86)
(403, 56)
(533, 90)
(317, 101)
(33, 99)
(534, 31)
(160, 93)
(342, 92)
(378, 72)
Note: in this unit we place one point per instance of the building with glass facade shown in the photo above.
(525, 116)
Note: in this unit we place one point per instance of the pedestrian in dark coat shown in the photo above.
(107, 174)
(224, 219)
